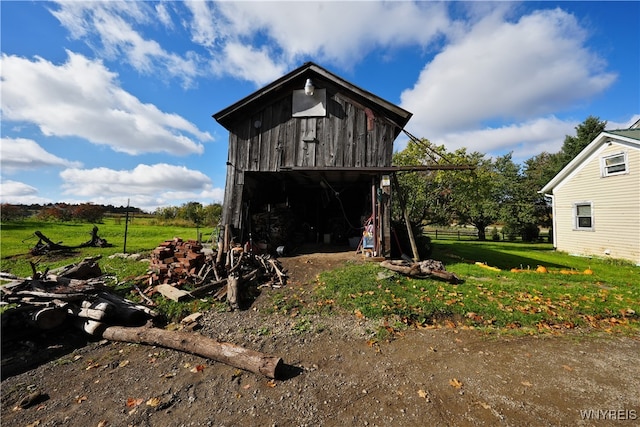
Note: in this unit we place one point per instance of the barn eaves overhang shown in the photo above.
(296, 80)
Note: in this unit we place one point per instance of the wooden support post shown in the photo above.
(405, 214)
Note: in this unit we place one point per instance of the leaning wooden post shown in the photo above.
(405, 214)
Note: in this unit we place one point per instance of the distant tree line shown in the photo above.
(497, 190)
(192, 212)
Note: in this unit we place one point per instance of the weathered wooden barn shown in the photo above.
(309, 161)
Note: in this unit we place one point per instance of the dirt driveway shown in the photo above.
(334, 376)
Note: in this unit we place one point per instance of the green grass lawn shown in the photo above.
(526, 301)
(143, 235)
(523, 301)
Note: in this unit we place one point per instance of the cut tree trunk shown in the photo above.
(420, 270)
(230, 354)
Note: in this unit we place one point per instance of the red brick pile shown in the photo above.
(176, 262)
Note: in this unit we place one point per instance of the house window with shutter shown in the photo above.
(583, 215)
(615, 164)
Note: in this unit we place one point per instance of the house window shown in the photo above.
(614, 165)
(583, 216)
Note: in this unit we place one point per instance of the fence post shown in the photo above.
(458, 234)
(436, 234)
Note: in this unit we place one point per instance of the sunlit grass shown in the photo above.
(563, 298)
(142, 236)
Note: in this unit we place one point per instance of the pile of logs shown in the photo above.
(49, 299)
(75, 292)
(277, 226)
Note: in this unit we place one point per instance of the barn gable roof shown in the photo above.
(295, 80)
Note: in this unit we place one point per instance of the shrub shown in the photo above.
(495, 236)
(529, 232)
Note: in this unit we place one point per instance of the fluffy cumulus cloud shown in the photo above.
(506, 72)
(19, 193)
(300, 29)
(113, 30)
(254, 41)
(141, 179)
(19, 154)
(81, 98)
(149, 185)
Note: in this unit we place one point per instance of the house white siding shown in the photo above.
(615, 207)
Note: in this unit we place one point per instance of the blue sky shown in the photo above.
(106, 102)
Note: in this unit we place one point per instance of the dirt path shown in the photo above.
(440, 377)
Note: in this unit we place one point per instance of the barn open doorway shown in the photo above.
(311, 207)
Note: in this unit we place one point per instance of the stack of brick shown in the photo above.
(176, 262)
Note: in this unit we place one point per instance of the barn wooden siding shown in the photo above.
(350, 135)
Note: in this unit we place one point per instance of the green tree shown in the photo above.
(427, 191)
(211, 214)
(191, 211)
(473, 196)
(585, 133)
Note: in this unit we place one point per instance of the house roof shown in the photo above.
(295, 80)
(627, 137)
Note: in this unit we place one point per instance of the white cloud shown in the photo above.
(611, 125)
(355, 29)
(81, 98)
(20, 154)
(146, 186)
(163, 14)
(525, 139)
(19, 193)
(507, 72)
(143, 179)
(113, 24)
(255, 41)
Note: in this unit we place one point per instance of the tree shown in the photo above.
(88, 212)
(585, 133)
(191, 211)
(211, 214)
(537, 171)
(427, 190)
(473, 196)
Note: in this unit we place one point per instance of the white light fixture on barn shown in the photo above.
(309, 88)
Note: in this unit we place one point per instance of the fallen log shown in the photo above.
(422, 269)
(230, 354)
(45, 244)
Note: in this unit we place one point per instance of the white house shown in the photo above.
(596, 198)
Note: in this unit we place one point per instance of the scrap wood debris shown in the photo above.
(77, 292)
(180, 269)
(47, 300)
